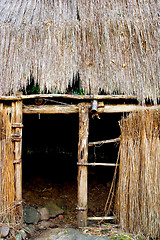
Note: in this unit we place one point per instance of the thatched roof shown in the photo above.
(114, 45)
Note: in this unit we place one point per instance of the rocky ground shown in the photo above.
(67, 234)
(49, 212)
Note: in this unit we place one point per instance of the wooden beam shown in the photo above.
(120, 108)
(100, 218)
(104, 141)
(71, 108)
(82, 170)
(50, 109)
(10, 98)
(69, 96)
(98, 164)
(74, 96)
(17, 146)
(1, 164)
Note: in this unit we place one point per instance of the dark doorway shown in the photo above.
(50, 149)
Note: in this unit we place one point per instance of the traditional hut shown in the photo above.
(113, 48)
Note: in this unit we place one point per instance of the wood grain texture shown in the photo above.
(83, 158)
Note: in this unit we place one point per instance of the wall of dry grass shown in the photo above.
(138, 195)
(114, 45)
(7, 188)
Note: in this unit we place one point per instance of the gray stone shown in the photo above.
(4, 231)
(30, 215)
(62, 205)
(53, 209)
(64, 196)
(18, 236)
(46, 224)
(30, 229)
(44, 213)
(67, 234)
(23, 234)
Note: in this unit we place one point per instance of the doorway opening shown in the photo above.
(50, 147)
(100, 177)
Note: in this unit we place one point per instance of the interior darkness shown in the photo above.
(50, 146)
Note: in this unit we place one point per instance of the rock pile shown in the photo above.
(33, 220)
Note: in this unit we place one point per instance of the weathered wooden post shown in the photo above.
(82, 168)
(1, 107)
(17, 148)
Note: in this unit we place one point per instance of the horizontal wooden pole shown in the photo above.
(104, 141)
(17, 161)
(120, 108)
(66, 109)
(74, 96)
(71, 96)
(17, 125)
(100, 218)
(50, 109)
(10, 98)
(98, 164)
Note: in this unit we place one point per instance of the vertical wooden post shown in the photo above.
(1, 107)
(82, 170)
(17, 148)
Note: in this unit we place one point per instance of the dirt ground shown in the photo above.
(38, 192)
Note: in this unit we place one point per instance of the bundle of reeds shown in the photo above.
(7, 188)
(138, 194)
(114, 45)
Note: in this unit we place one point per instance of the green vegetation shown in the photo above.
(33, 89)
(122, 237)
(79, 91)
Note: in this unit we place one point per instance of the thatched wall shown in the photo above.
(138, 195)
(113, 44)
(7, 188)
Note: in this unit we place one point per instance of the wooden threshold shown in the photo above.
(98, 164)
(100, 218)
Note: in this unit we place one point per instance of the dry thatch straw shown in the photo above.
(7, 188)
(113, 44)
(138, 194)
